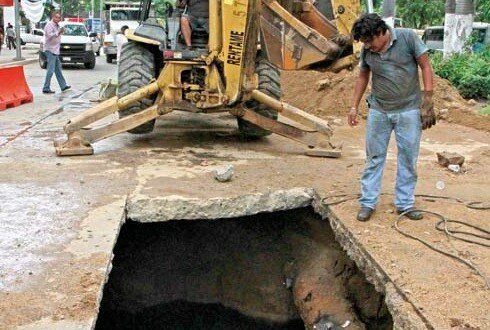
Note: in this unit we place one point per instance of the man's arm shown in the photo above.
(427, 75)
(359, 89)
(427, 114)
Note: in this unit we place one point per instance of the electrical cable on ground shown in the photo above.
(441, 225)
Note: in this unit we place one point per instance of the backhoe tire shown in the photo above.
(270, 84)
(136, 68)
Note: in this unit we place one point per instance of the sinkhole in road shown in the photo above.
(281, 270)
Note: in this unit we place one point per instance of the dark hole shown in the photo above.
(226, 274)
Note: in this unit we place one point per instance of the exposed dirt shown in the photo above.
(439, 274)
(301, 89)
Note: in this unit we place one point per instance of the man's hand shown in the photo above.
(352, 117)
(427, 114)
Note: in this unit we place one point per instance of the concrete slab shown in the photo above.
(60, 217)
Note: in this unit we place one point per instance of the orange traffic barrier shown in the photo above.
(13, 87)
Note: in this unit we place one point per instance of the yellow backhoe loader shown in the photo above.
(233, 68)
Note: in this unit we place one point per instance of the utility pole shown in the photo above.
(389, 12)
(18, 55)
(370, 7)
(458, 25)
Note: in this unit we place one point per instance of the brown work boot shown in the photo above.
(412, 213)
(364, 214)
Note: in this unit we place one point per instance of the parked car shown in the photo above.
(434, 37)
(76, 46)
(34, 37)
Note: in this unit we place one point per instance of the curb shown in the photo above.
(21, 62)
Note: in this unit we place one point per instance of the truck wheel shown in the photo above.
(108, 58)
(43, 63)
(270, 84)
(91, 63)
(136, 68)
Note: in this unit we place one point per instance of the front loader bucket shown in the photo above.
(290, 43)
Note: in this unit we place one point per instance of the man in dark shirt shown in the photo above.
(392, 58)
(195, 15)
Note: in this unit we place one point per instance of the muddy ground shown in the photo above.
(301, 89)
(60, 216)
(457, 117)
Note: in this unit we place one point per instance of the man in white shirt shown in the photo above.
(121, 40)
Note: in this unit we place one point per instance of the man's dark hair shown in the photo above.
(124, 28)
(368, 26)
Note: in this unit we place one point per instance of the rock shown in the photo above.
(454, 168)
(448, 97)
(337, 122)
(448, 158)
(471, 102)
(443, 114)
(224, 174)
(322, 84)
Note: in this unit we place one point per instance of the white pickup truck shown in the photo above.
(77, 46)
(35, 37)
(118, 16)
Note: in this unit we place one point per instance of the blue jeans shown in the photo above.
(408, 129)
(54, 65)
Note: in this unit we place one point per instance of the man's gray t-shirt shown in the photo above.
(395, 78)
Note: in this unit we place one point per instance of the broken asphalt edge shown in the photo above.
(144, 209)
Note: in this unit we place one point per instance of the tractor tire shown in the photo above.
(135, 70)
(270, 84)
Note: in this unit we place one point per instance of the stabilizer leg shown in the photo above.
(317, 138)
(80, 137)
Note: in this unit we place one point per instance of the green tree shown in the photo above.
(418, 14)
(376, 5)
(483, 11)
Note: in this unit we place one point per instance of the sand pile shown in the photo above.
(302, 89)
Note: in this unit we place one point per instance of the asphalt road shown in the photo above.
(75, 75)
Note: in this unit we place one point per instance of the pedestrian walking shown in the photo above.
(10, 36)
(52, 41)
(392, 56)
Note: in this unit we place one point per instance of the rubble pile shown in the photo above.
(328, 95)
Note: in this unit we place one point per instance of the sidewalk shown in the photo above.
(28, 53)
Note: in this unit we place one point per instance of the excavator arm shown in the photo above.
(295, 35)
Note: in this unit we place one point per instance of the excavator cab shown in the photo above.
(235, 71)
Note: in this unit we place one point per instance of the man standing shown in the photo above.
(52, 41)
(396, 104)
(121, 40)
(10, 36)
(195, 15)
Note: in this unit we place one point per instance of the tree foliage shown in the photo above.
(468, 72)
(483, 11)
(419, 14)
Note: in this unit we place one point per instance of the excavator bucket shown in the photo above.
(295, 35)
